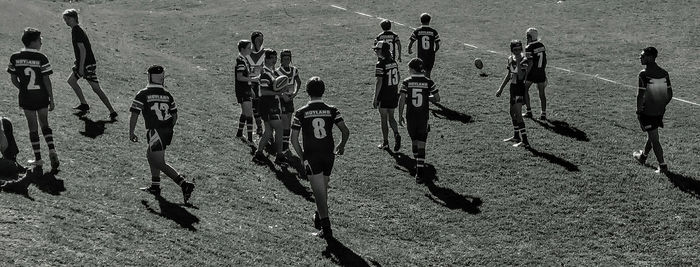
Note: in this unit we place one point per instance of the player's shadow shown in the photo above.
(174, 212)
(46, 182)
(685, 183)
(93, 129)
(563, 128)
(288, 179)
(449, 114)
(569, 166)
(341, 255)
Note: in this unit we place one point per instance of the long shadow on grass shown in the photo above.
(288, 179)
(47, 182)
(554, 159)
(563, 128)
(174, 212)
(449, 114)
(93, 129)
(685, 183)
(341, 255)
(442, 196)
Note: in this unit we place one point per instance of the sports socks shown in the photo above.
(178, 180)
(241, 125)
(286, 133)
(419, 155)
(523, 133)
(516, 132)
(36, 144)
(249, 127)
(48, 137)
(155, 181)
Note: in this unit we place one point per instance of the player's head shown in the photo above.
(531, 35)
(257, 38)
(31, 38)
(385, 24)
(648, 55)
(425, 19)
(415, 66)
(156, 74)
(382, 49)
(516, 47)
(315, 87)
(244, 47)
(70, 16)
(285, 57)
(270, 57)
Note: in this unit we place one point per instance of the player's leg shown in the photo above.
(514, 122)
(43, 115)
(100, 93)
(278, 127)
(286, 131)
(517, 109)
(33, 126)
(154, 188)
(526, 99)
(247, 109)
(384, 116)
(419, 155)
(73, 82)
(257, 117)
(158, 158)
(320, 190)
(543, 99)
(653, 138)
(395, 127)
(264, 140)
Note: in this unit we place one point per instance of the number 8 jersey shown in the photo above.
(315, 120)
(157, 105)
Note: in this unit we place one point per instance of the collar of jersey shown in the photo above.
(30, 50)
(315, 101)
(417, 75)
(153, 85)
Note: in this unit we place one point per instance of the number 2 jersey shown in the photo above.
(315, 120)
(31, 66)
(418, 89)
(157, 106)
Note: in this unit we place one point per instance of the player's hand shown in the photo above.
(81, 72)
(133, 137)
(51, 106)
(498, 93)
(410, 51)
(402, 120)
(375, 104)
(340, 150)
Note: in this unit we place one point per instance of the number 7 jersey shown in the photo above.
(315, 120)
(157, 106)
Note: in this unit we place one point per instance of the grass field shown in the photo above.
(576, 198)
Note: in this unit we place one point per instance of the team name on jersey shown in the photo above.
(539, 49)
(27, 63)
(418, 84)
(391, 65)
(157, 98)
(317, 113)
(428, 33)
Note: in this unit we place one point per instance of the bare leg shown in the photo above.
(653, 137)
(319, 185)
(543, 98)
(73, 82)
(96, 88)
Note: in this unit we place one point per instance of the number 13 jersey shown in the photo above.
(315, 120)
(157, 105)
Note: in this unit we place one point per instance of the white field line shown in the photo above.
(558, 68)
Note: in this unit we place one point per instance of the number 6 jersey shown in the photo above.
(157, 105)
(316, 120)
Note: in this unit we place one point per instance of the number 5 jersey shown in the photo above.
(157, 105)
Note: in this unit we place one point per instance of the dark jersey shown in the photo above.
(315, 121)
(242, 67)
(31, 66)
(427, 38)
(536, 53)
(157, 106)
(656, 85)
(388, 37)
(257, 62)
(79, 36)
(417, 89)
(517, 69)
(292, 73)
(267, 80)
(389, 71)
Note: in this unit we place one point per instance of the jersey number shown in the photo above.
(393, 77)
(32, 79)
(319, 128)
(417, 97)
(162, 111)
(539, 62)
(425, 41)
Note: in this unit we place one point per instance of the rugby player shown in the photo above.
(518, 68)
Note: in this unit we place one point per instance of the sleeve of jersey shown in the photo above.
(296, 123)
(11, 67)
(433, 88)
(173, 106)
(404, 88)
(46, 66)
(240, 66)
(413, 36)
(379, 70)
(668, 81)
(337, 118)
(265, 80)
(642, 83)
(137, 104)
(437, 37)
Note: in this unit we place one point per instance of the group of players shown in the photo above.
(266, 95)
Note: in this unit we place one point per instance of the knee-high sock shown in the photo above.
(36, 144)
(48, 137)
(285, 139)
(241, 125)
(249, 126)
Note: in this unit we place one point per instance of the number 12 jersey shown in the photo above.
(157, 105)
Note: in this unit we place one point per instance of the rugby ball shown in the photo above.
(478, 63)
(280, 83)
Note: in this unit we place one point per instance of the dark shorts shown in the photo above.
(33, 102)
(649, 123)
(537, 76)
(388, 100)
(428, 62)
(256, 106)
(418, 129)
(517, 93)
(90, 73)
(159, 138)
(319, 163)
(269, 108)
(244, 95)
(288, 107)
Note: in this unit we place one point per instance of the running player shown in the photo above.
(244, 93)
(419, 90)
(256, 58)
(536, 53)
(160, 114)
(428, 43)
(85, 65)
(315, 121)
(391, 38)
(288, 95)
(386, 93)
(518, 68)
(654, 94)
(270, 109)
(29, 71)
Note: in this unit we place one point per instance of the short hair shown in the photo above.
(384, 47)
(385, 24)
(532, 32)
(315, 87)
(71, 12)
(515, 44)
(286, 53)
(650, 51)
(425, 18)
(243, 44)
(156, 69)
(270, 53)
(416, 64)
(255, 35)
(30, 35)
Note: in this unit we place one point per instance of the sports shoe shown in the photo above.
(53, 157)
(113, 116)
(543, 116)
(383, 145)
(155, 190)
(527, 114)
(397, 142)
(281, 160)
(512, 139)
(259, 156)
(326, 233)
(639, 156)
(82, 107)
(663, 168)
(522, 144)
(317, 221)
(187, 189)
(35, 162)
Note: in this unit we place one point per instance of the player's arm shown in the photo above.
(402, 103)
(297, 85)
(503, 84)
(83, 54)
(640, 95)
(410, 43)
(377, 88)
(435, 97)
(340, 149)
(670, 91)
(132, 126)
(49, 91)
(296, 144)
(397, 43)
(15, 80)
(437, 43)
